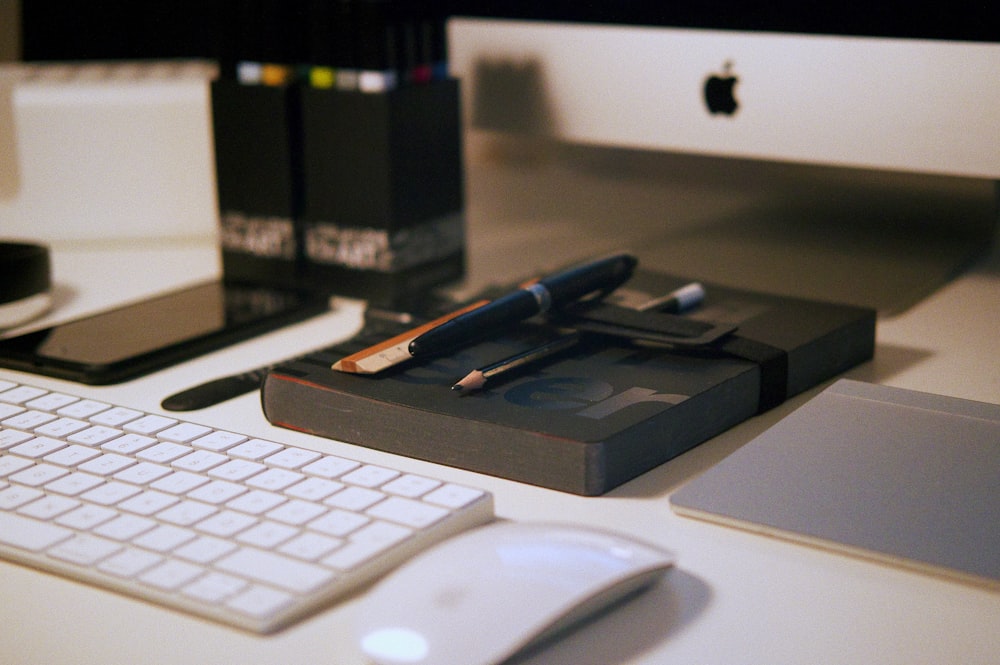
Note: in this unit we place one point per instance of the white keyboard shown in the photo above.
(242, 530)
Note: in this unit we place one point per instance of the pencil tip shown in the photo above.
(470, 383)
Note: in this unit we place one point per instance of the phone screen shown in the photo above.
(131, 340)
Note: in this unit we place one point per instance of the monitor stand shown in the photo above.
(874, 238)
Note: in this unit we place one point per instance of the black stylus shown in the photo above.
(215, 391)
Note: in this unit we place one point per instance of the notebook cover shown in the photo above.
(904, 477)
(595, 417)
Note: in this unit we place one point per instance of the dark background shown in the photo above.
(127, 29)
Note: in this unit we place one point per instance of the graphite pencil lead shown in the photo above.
(474, 380)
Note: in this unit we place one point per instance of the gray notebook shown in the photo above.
(905, 477)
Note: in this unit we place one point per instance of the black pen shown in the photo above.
(477, 378)
(550, 292)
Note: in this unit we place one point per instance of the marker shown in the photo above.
(551, 292)
(678, 300)
(477, 378)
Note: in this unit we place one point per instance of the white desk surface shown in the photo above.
(733, 598)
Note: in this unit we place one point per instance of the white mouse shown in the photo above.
(484, 595)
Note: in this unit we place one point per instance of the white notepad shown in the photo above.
(909, 478)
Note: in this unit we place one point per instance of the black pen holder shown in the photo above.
(383, 211)
(258, 175)
(341, 191)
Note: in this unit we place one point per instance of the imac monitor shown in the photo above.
(838, 151)
(903, 87)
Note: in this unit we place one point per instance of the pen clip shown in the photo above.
(607, 319)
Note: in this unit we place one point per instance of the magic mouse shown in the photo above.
(485, 594)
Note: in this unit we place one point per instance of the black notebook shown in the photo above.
(595, 416)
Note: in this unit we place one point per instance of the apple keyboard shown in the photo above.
(249, 532)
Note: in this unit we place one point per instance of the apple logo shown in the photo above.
(719, 91)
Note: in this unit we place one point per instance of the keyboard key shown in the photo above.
(199, 460)
(330, 467)
(410, 486)
(111, 493)
(84, 408)
(38, 475)
(226, 523)
(148, 503)
(74, 483)
(38, 447)
(128, 444)
(267, 534)
(86, 517)
(310, 546)
(366, 544)
(94, 436)
(125, 527)
(48, 507)
(130, 562)
(164, 538)
(276, 569)
(171, 574)
(275, 479)
(339, 522)
(179, 482)
(183, 432)
(21, 394)
(187, 513)
(407, 511)
(215, 587)
(29, 420)
(454, 496)
(355, 498)
(61, 427)
(51, 402)
(292, 458)
(163, 453)
(256, 502)
(16, 496)
(11, 464)
(217, 491)
(143, 473)
(84, 549)
(106, 465)
(30, 534)
(149, 424)
(72, 455)
(115, 416)
(236, 470)
(369, 476)
(260, 601)
(296, 512)
(218, 441)
(12, 437)
(314, 489)
(255, 449)
(8, 410)
(205, 549)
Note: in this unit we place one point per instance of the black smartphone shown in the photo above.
(125, 342)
